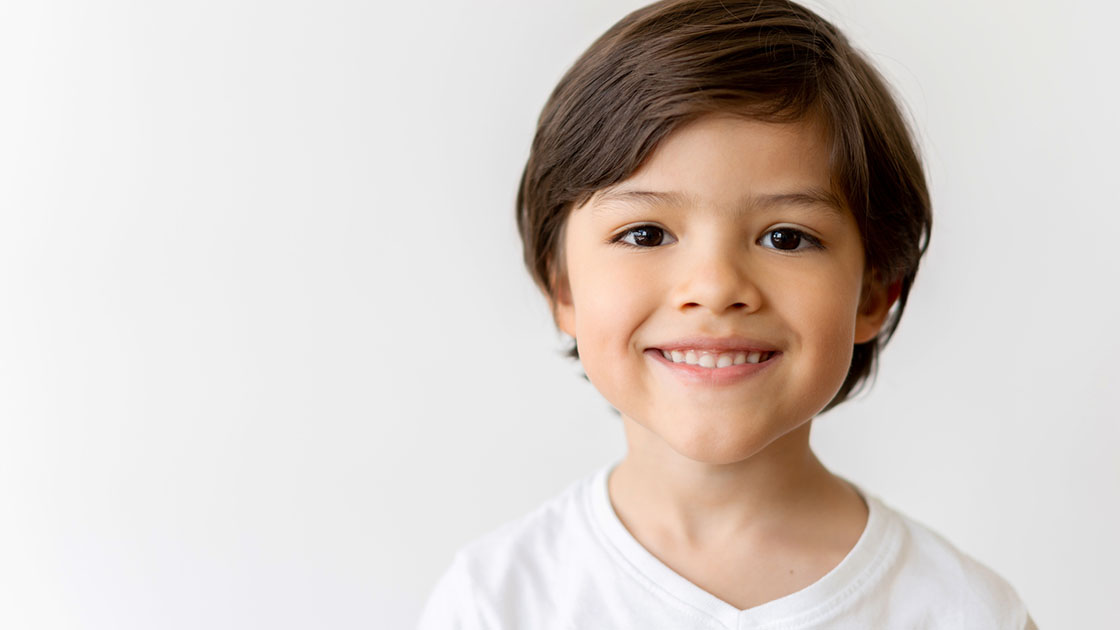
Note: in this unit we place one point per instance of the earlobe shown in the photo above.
(563, 311)
(876, 301)
(565, 319)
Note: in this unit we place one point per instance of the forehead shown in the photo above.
(721, 159)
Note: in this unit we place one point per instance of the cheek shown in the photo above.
(838, 345)
(605, 324)
(610, 307)
(824, 317)
(611, 300)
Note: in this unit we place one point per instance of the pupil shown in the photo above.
(648, 236)
(785, 239)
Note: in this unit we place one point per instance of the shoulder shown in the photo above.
(451, 603)
(540, 536)
(508, 572)
(929, 568)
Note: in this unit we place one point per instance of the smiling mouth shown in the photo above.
(716, 360)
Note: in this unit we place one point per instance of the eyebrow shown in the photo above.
(810, 198)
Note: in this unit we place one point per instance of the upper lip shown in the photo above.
(718, 344)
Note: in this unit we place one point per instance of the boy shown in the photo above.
(726, 212)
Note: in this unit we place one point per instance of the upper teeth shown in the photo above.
(706, 359)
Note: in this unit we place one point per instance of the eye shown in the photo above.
(788, 239)
(644, 236)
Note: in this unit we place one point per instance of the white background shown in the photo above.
(268, 355)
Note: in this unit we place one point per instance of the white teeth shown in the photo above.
(706, 359)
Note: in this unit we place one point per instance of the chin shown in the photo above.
(718, 448)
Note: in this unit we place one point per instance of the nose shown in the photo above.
(715, 276)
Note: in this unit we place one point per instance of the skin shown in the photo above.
(719, 481)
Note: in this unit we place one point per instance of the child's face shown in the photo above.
(740, 257)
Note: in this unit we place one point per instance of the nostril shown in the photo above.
(735, 306)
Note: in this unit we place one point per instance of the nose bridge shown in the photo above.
(716, 275)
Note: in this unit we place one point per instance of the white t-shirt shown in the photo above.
(571, 564)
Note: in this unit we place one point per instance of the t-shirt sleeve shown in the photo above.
(452, 604)
(991, 602)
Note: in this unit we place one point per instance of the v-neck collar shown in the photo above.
(872, 554)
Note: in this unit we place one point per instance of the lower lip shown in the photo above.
(712, 376)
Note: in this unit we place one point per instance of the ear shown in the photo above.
(876, 300)
(563, 310)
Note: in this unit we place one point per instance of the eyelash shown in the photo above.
(617, 239)
(810, 241)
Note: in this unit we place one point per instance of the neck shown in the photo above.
(699, 504)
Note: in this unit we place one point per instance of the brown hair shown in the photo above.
(676, 60)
